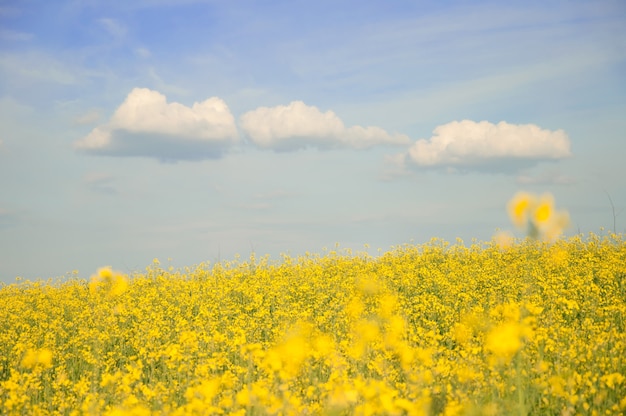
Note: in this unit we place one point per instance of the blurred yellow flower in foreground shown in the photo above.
(504, 340)
(35, 358)
(519, 207)
(113, 283)
(538, 215)
(544, 209)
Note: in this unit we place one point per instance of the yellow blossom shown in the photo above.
(519, 208)
(504, 340)
(543, 210)
(37, 358)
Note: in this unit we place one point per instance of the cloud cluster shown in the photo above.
(298, 126)
(468, 144)
(147, 125)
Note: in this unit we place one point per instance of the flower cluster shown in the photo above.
(419, 330)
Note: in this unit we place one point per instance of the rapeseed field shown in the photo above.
(529, 326)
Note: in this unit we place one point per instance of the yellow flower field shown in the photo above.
(528, 328)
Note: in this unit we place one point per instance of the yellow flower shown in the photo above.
(37, 358)
(114, 283)
(208, 389)
(504, 340)
(519, 207)
(612, 380)
(543, 211)
(560, 221)
(243, 397)
(342, 397)
(324, 345)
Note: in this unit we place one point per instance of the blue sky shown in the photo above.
(198, 130)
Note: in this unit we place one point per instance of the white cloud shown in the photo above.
(145, 124)
(472, 144)
(298, 125)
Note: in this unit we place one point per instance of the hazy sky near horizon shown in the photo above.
(197, 130)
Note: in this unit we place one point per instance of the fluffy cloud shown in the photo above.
(145, 124)
(297, 126)
(468, 144)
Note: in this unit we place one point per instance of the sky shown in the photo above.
(199, 131)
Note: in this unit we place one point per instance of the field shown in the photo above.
(440, 328)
